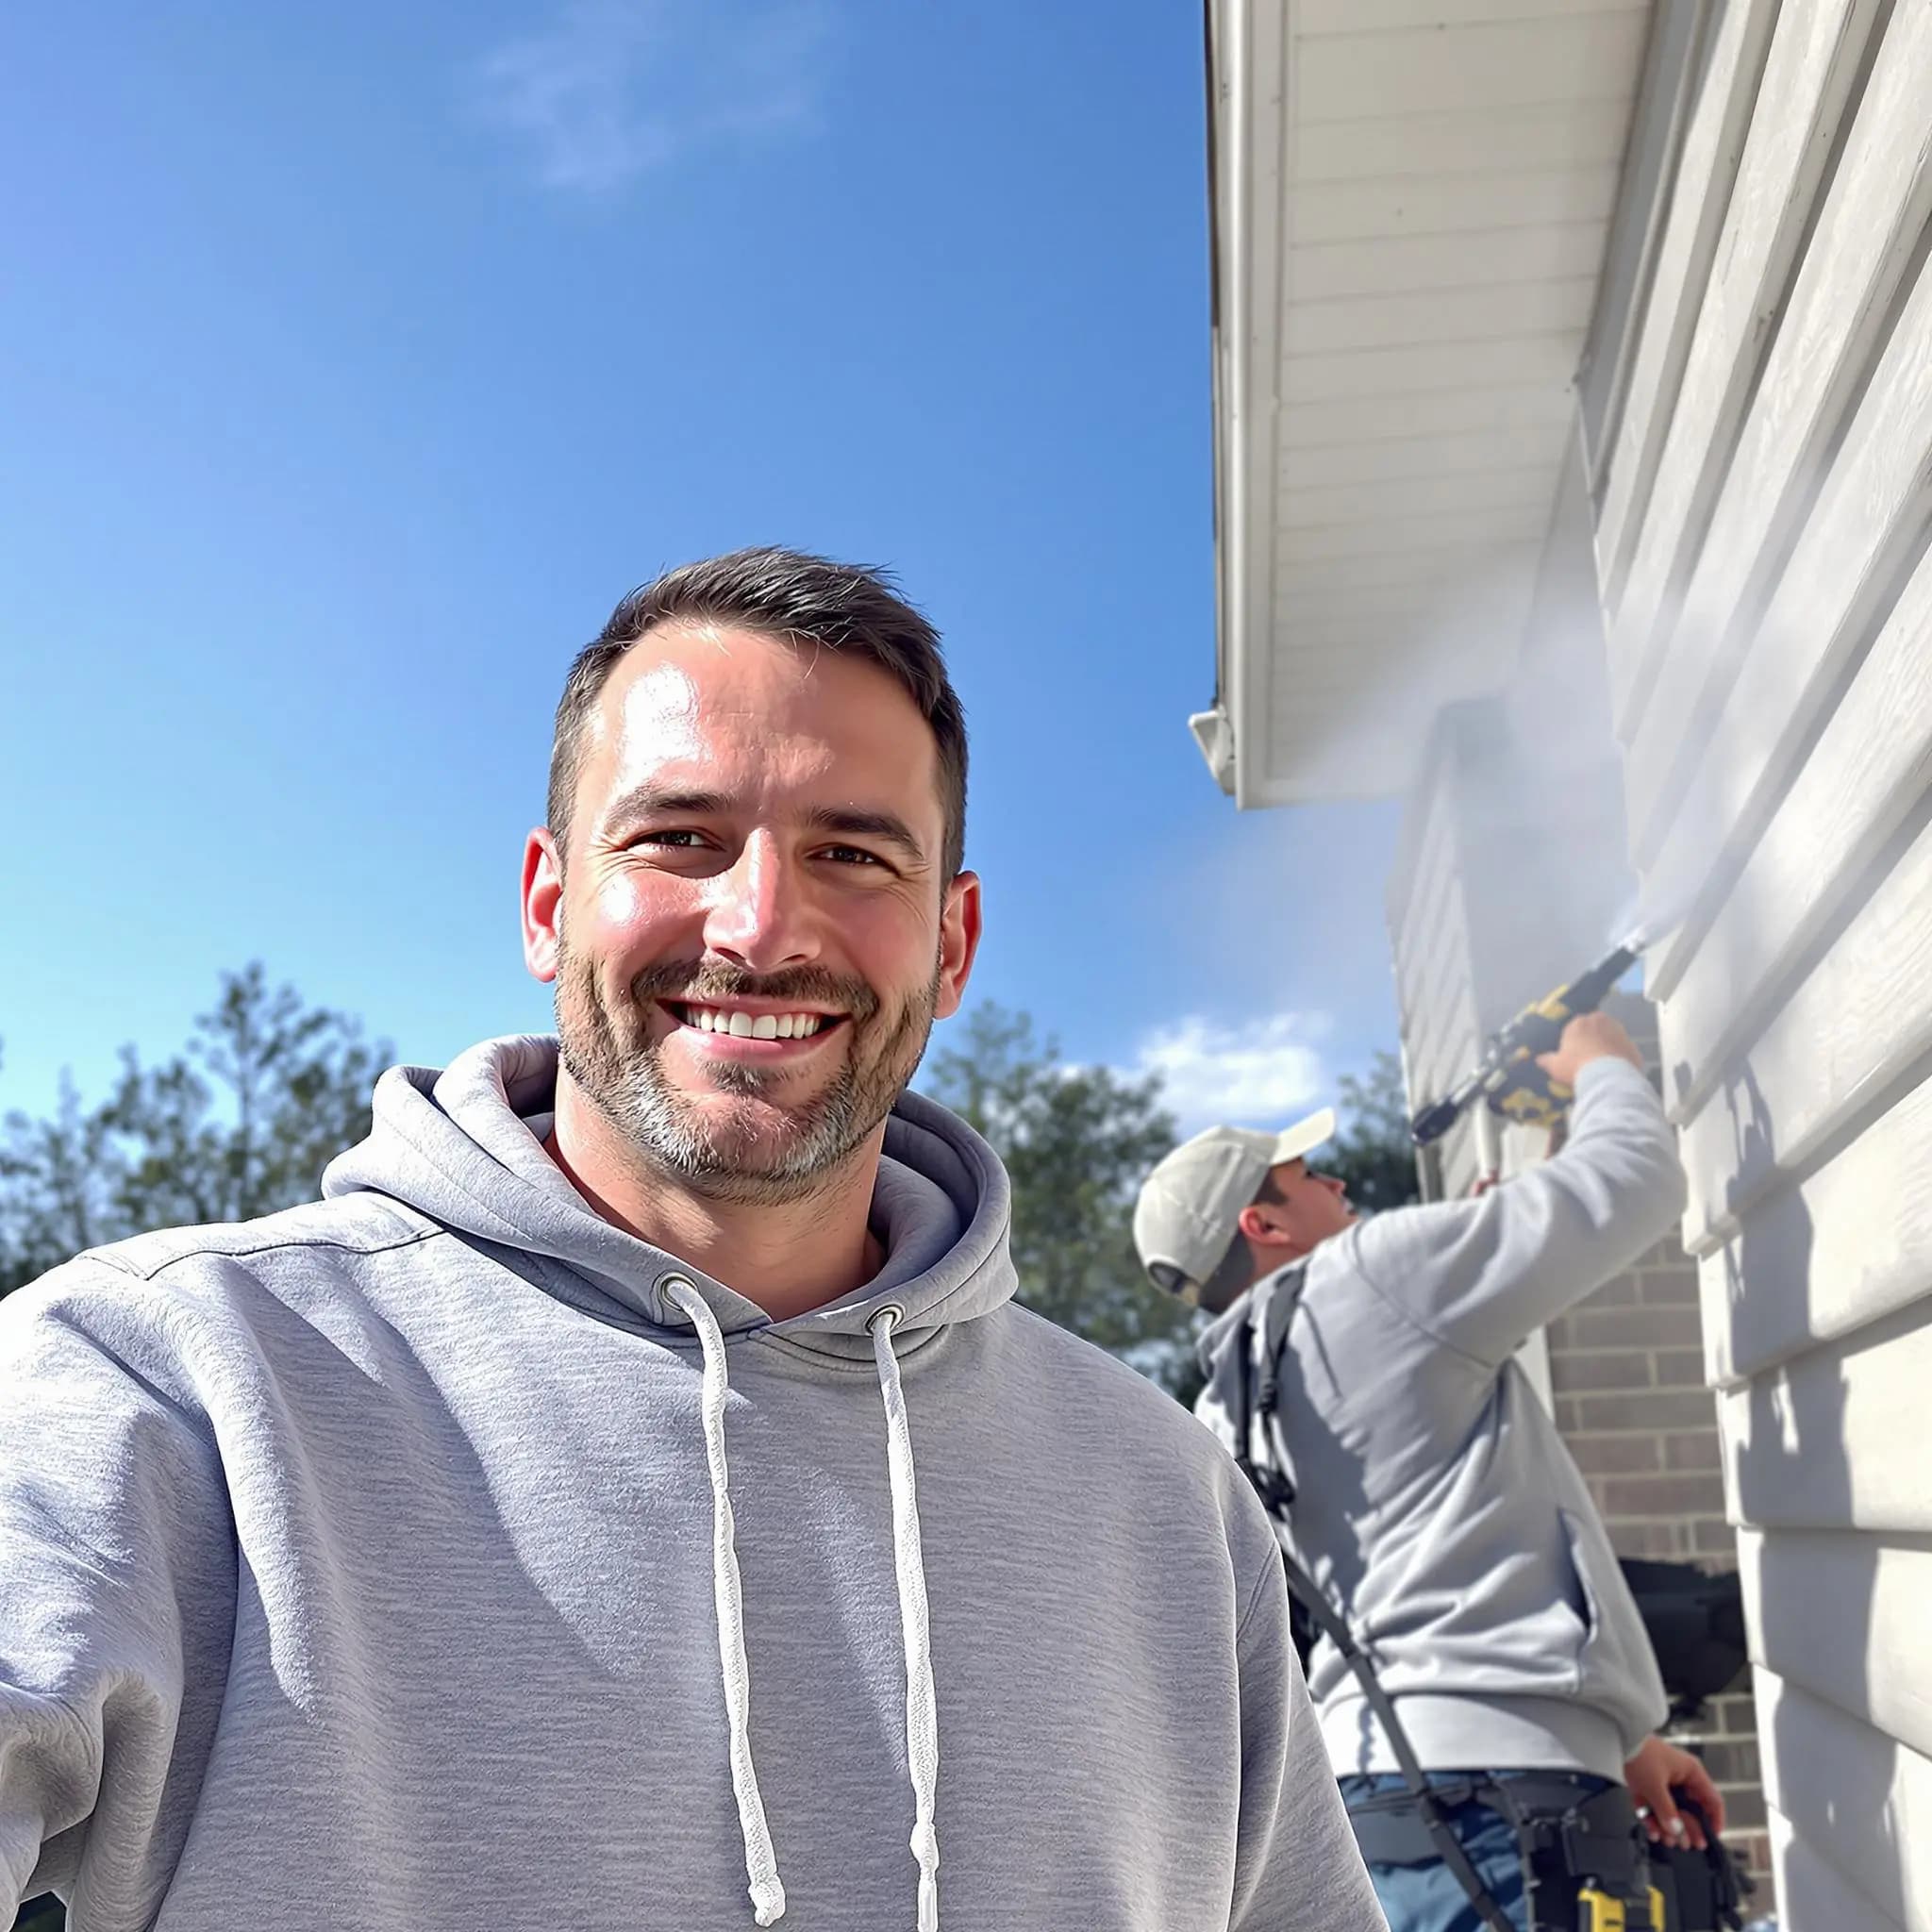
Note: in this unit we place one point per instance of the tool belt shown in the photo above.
(1587, 1862)
(1585, 1859)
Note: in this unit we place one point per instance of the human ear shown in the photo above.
(543, 903)
(959, 928)
(1258, 1224)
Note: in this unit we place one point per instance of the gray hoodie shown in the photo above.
(364, 1565)
(1436, 1503)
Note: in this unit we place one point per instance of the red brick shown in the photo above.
(1598, 1369)
(1735, 1714)
(1663, 1495)
(1718, 1538)
(1743, 1808)
(1616, 1455)
(1732, 1761)
(1654, 1408)
(1679, 1368)
(1667, 1288)
(1642, 1538)
(1694, 1449)
(1637, 1328)
(1619, 1292)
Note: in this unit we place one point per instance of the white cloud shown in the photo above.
(611, 89)
(1264, 1071)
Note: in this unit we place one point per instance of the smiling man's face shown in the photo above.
(749, 931)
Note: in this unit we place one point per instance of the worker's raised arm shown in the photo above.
(117, 1598)
(1481, 1276)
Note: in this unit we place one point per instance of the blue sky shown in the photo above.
(357, 360)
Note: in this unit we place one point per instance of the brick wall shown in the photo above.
(1626, 1374)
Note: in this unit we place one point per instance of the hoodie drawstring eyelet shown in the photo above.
(760, 1860)
(922, 1701)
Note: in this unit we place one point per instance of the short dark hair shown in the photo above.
(1240, 1268)
(802, 599)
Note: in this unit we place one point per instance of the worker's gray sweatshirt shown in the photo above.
(361, 1566)
(1437, 1503)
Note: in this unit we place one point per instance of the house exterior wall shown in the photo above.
(1762, 522)
(1626, 1373)
(1623, 1372)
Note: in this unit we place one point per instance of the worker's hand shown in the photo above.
(1657, 1775)
(1589, 1037)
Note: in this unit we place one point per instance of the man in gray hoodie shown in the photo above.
(632, 1485)
(1433, 1504)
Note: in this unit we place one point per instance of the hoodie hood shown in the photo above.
(465, 1147)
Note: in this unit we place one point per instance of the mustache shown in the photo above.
(804, 986)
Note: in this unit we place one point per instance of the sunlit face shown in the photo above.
(748, 933)
(1311, 1206)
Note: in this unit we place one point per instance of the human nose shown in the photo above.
(759, 917)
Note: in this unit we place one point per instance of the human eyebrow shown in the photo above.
(650, 800)
(854, 823)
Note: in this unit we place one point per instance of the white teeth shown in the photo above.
(744, 1026)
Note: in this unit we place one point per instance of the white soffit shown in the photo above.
(1411, 206)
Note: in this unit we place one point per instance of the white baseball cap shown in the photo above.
(1185, 1220)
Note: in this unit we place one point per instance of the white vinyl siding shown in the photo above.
(1761, 546)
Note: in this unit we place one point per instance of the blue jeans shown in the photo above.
(1428, 1897)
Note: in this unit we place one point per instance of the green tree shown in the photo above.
(238, 1125)
(1371, 1150)
(1077, 1141)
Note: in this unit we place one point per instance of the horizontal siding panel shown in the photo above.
(1862, 1800)
(1699, 196)
(1497, 407)
(1871, 520)
(1844, 1616)
(1368, 16)
(1448, 203)
(1853, 268)
(1589, 56)
(1815, 1896)
(1319, 505)
(1814, 60)
(1821, 1263)
(1858, 785)
(1519, 308)
(1857, 1022)
(1561, 138)
(1537, 446)
(1833, 1439)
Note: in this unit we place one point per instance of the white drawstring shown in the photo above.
(922, 1702)
(760, 1860)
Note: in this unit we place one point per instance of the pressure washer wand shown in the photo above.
(1507, 1075)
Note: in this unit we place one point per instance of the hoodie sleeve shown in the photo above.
(117, 1592)
(1296, 1865)
(1483, 1276)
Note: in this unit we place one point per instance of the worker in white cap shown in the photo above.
(1482, 1665)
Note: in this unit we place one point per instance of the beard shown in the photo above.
(740, 1141)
